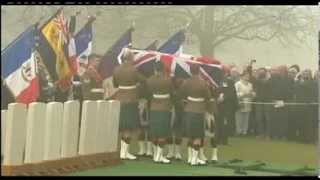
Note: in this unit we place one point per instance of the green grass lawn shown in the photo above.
(278, 154)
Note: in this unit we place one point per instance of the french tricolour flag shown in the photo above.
(83, 44)
(18, 67)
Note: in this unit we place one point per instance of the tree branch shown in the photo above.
(243, 29)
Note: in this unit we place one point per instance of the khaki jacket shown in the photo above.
(124, 76)
(195, 88)
(160, 85)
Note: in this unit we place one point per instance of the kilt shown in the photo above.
(160, 124)
(194, 125)
(178, 126)
(129, 116)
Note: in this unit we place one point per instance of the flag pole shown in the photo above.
(130, 29)
(91, 19)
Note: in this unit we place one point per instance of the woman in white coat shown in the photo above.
(245, 94)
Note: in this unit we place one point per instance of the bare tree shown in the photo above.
(215, 25)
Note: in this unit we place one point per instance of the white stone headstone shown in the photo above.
(36, 119)
(113, 126)
(102, 126)
(87, 142)
(53, 131)
(3, 129)
(70, 129)
(15, 134)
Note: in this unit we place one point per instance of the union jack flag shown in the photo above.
(179, 66)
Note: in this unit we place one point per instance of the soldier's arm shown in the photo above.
(140, 77)
(114, 79)
(172, 91)
(182, 91)
(208, 98)
(147, 91)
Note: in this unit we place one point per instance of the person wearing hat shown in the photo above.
(127, 79)
(197, 95)
(160, 88)
(245, 94)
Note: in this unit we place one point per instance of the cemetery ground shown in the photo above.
(279, 157)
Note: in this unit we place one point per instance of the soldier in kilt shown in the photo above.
(160, 88)
(177, 126)
(197, 93)
(127, 79)
(144, 139)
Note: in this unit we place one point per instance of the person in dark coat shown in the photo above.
(280, 93)
(227, 107)
(315, 108)
(293, 114)
(305, 93)
(261, 87)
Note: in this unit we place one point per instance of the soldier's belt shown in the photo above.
(195, 99)
(76, 83)
(97, 90)
(161, 96)
(127, 87)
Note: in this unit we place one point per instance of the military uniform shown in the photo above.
(197, 94)
(160, 88)
(92, 85)
(225, 116)
(127, 79)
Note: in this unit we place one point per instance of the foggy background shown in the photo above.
(291, 40)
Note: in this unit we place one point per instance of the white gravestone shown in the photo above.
(102, 126)
(53, 131)
(70, 129)
(113, 125)
(87, 142)
(3, 129)
(36, 119)
(15, 134)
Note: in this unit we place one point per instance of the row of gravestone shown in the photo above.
(55, 130)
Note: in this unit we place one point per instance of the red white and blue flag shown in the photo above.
(179, 66)
(83, 42)
(18, 67)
